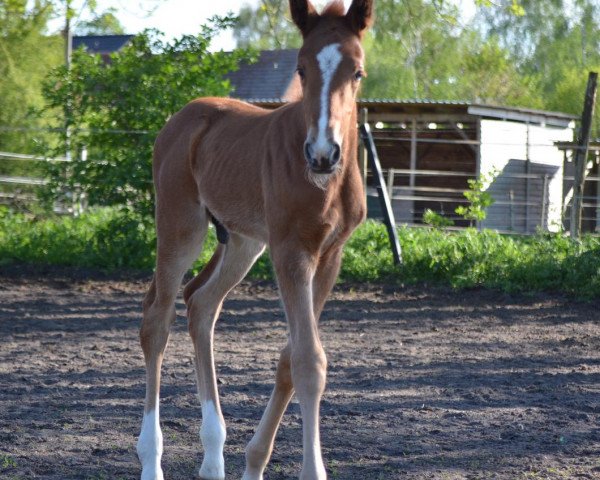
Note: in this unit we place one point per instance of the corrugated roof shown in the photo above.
(415, 106)
(269, 77)
(102, 44)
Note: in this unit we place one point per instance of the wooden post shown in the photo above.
(68, 55)
(544, 219)
(390, 183)
(527, 181)
(581, 154)
(384, 200)
(511, 213)
(362, 152)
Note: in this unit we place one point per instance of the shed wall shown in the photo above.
(527, 172)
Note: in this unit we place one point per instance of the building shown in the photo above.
(102, 44)
(439, 146)
(272, 76)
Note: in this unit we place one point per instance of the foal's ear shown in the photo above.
(304, 15)
(360, 15)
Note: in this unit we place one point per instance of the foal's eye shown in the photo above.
(358, 75)
(300, 71)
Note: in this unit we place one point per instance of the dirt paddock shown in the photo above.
(424, 383)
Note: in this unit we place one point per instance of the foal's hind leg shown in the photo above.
(259, 449)
(204, 297)
(177, 247)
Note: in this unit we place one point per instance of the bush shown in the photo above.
(120, 238)
(104, 238)
(114, 110)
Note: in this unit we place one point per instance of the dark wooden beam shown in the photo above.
(581, 153)
(384, 199)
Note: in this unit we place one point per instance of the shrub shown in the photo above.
(112, 238)
(115, 109)
(105, 238)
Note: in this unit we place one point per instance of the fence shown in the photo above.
(19, 190)
(523, 202)
(523, 207)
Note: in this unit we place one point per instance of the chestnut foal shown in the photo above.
(287, 178)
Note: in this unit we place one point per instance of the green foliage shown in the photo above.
(436, 220)
(554, 44)
(104, 238)
(111, 238)
(115, 111)
(420, 49)
(105, 23)
(26, 56)
(266, 26)
(478, 199)
(6, 462)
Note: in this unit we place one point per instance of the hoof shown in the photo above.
(212, 472)
(152, 474)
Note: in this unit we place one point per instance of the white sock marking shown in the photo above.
(329, 59)
(150, 446)
(212, 435)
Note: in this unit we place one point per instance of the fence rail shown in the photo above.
(23, 188)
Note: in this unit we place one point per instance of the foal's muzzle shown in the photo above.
(324, 158)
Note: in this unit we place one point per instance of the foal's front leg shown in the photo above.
(295, 271)
(260, 447)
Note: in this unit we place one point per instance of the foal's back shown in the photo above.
(214, 151)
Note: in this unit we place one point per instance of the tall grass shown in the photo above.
(103, 238)
(116, 238)
(544, 262)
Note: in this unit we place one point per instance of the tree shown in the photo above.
(419, 49)
(116, 109)
(26, 55)
(105, 23)
(555, 43)
(268, 26)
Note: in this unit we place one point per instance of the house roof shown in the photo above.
(271, 76)
(102, 44)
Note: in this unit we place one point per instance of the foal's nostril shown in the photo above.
(335, 154)
(322, 159)
(307, 152)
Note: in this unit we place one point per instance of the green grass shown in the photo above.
(6, 461)
(112, 239)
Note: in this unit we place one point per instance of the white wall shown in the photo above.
(504, 149)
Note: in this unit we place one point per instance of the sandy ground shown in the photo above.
(424, 383)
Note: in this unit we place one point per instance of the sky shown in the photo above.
(179, 17)
(173, 17)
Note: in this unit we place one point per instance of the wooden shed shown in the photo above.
(431, 149)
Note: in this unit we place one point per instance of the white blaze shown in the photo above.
(329, 59)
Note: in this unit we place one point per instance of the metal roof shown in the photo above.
(270, 76)
(415, 106)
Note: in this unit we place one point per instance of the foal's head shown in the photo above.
(330, 66)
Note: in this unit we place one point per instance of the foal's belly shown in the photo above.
(228, 171)
(236, 201)
(238, 218)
